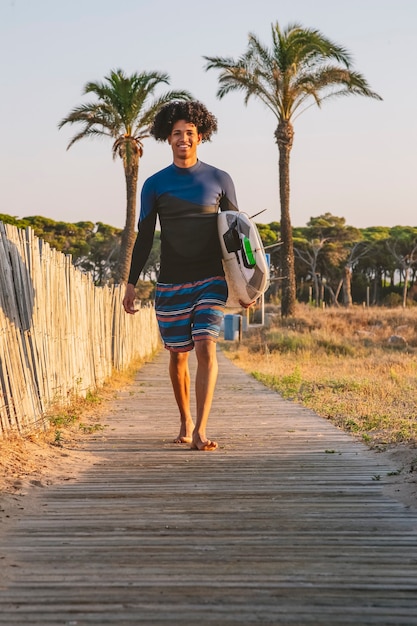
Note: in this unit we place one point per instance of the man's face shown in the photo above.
(184, 139)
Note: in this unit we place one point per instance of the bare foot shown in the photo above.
(186, 432)
(181, 439)
(204, 446)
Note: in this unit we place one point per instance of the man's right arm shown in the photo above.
(141, 251)
(142, 247)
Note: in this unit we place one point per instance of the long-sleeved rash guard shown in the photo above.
(187, 201)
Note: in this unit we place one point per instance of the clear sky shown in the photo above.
(355, 157)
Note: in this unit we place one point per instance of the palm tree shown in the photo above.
(124, 109)
(302, 68)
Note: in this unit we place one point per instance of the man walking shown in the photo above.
(191, 291)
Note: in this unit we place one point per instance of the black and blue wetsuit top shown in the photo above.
(187, 201)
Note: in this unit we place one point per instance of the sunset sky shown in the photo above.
(355, 157)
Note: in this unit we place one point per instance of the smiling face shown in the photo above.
(184, 139)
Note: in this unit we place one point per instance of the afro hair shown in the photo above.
(191, 111)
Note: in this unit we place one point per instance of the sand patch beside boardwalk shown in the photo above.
(34, 461)
(402, 484)
(30, 464)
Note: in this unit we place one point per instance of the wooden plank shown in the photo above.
(270, 529)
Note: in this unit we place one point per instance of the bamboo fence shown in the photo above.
(60, 335)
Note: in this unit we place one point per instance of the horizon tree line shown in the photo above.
(334, 262)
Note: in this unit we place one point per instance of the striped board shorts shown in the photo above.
(189, 312)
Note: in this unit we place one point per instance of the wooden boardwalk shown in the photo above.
(286, 524)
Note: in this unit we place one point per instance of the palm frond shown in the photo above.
(87, 133)
(309, 47)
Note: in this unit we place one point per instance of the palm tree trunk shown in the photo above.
(284, 137)
(131, 168)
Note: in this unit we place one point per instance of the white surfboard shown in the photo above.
(244, 260)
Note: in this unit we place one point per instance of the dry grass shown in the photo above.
(356, 367)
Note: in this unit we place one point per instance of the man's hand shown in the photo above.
(129, 299)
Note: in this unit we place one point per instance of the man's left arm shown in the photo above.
(228, 201)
